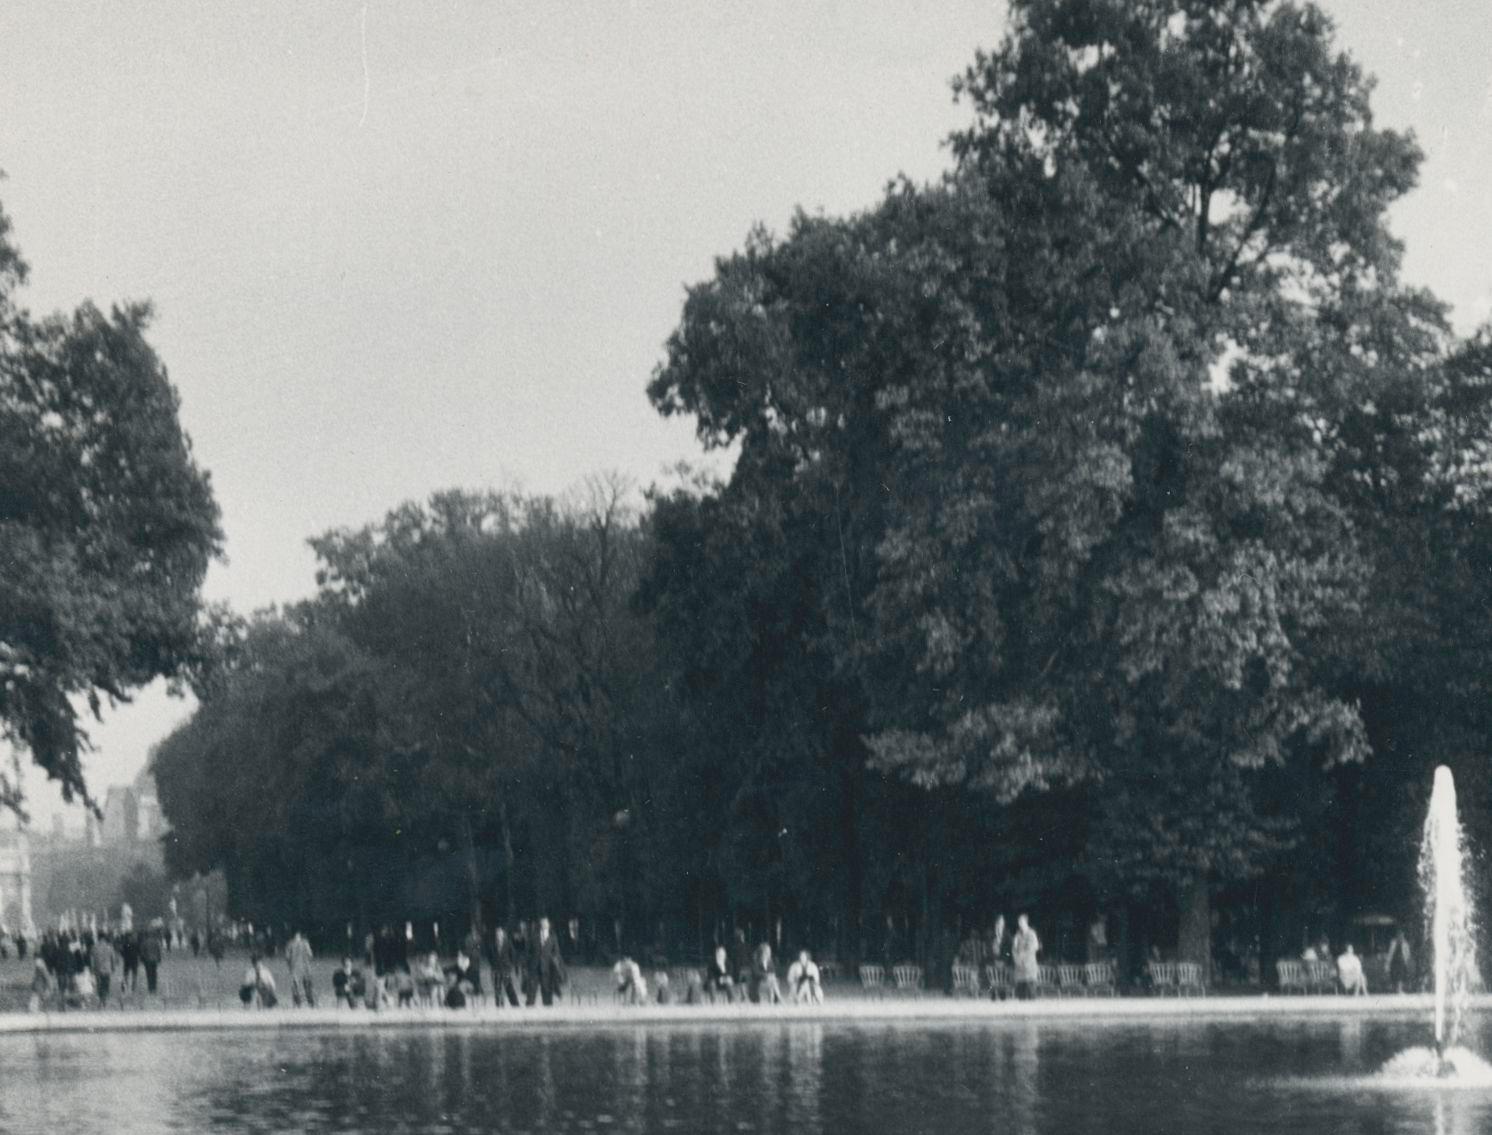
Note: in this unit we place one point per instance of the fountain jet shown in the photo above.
(1452, 944)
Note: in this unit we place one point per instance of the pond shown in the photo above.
(751, 1076)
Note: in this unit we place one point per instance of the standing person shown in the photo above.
(104, 961)
(1098, 939)
(298, 957)
(546, 968)
(150, 956)
(1400, 963)
(1023, 948)
(504, 966)
(521, 944)
(997, 941)
(129, 955)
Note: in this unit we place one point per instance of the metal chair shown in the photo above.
(908, 978)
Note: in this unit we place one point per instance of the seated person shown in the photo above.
(264, 984)
(631, 989)
(803, 979)
(467, 975)
(717, 977)
(342, 984)
(430, 980)
(660, 983)
(84, 991)
(42, 986)
(404, 986)
(250, 984)
(764, 976)
(1350, 972)
(695, 993)
(455, 997)
(376, 992)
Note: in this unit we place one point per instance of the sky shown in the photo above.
(400, 247)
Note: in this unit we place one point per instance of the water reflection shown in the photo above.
(1005, 1076)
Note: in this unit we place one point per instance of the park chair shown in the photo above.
(873, 980)
(908, 978)
(1189, 977)
(1047, 983)
(1070, 981)
(999, 980)
(1322, 976)
(1291, 975)
(965, 980)
(1099, 978)
(1162, 977)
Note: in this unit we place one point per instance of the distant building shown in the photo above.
(121, 816)
(15, 877)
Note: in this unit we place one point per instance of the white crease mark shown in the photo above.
(367, 83)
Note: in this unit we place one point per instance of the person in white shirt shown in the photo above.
(1350, 973)
(803, 979)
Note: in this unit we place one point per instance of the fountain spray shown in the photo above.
(1452, 945)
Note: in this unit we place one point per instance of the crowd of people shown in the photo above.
(86, 968)
(750, 976)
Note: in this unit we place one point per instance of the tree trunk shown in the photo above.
(1195, 943)
(473, 873)
(508, 863)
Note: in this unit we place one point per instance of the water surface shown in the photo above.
(749, 1076)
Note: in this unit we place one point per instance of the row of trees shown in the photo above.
(1107, 531)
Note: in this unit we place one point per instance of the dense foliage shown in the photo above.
(1107, 531)
(107, 525)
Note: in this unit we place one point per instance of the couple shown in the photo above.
(539, 960)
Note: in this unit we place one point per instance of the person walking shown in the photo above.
(1023, 948)
(104, 961)
(150, 956)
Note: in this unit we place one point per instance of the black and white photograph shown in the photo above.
(804, 566)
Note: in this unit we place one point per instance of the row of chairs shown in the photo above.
(906, 978)
(1296, 976)
(1180, 978)
(1093, 979)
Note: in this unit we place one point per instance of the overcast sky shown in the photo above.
(400, 247)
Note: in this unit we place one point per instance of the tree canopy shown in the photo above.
(107, 524)
(1107, 529)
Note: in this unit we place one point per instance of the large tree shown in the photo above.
(1046, 447)
(107, 524)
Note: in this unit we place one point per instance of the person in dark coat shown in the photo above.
(151, 949)
(129, 957)
(504, 961)
(546, 968)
